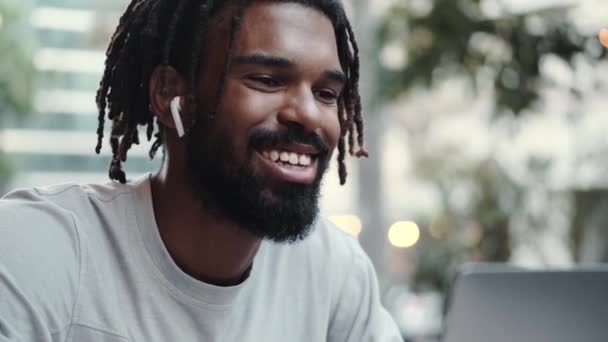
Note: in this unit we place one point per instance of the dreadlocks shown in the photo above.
(162, 32)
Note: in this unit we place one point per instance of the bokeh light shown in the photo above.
(404, 234)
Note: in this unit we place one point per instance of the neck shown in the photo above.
(207, 247)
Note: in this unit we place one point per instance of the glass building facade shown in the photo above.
(55, 143)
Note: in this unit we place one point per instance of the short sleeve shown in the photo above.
(39, 268)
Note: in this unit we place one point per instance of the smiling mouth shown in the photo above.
(288, 158)
(290, 166)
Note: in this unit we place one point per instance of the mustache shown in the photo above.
(263, 138)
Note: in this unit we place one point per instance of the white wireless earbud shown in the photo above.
(176, 108)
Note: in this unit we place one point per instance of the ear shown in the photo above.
(165, 84)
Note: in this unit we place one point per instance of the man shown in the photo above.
(223, 243)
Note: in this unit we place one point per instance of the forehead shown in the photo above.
(291, 30)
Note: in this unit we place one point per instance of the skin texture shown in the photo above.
(301, 93)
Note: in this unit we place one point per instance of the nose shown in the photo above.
(300, 109)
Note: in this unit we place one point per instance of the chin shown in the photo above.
(247, 194)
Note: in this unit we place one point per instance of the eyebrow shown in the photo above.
(263, 59)
(282, 62)
(335, 75)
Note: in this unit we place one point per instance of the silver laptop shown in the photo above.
(501, 304)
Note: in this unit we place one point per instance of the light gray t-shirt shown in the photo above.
(87, 264)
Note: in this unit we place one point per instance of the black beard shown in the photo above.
(269, 209)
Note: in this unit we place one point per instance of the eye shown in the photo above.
(266, 81)
(327, 96)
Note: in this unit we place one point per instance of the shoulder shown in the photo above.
(61, 211)
(31, 217)
(50, 220)
(328, 253)
(66, 197)
(40, 256)
(357, 313)
(339, 260)
(43, 233)
(50, 217)
(332, 243)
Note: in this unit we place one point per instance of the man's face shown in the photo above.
(260, 161)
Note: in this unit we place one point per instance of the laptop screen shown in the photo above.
(529, 306)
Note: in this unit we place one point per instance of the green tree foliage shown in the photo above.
(447, 37)
(16, 68)
(476, 233)
(439, 40)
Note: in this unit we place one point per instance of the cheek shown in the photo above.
(246, 107)
(332, 128)
(242, 111)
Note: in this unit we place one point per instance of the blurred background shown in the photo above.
(485, 123)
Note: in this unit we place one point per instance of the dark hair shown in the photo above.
(172, 33)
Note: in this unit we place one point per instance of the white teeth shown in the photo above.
(288, 157)
(284, 156)
(274, 155)
(304, 160)
(293, 158)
